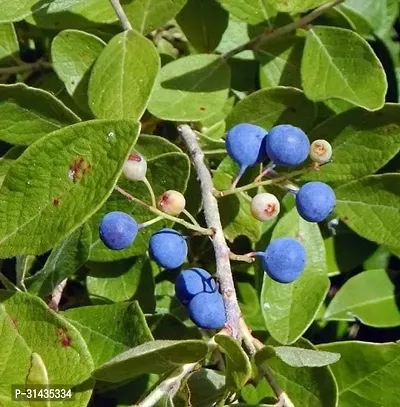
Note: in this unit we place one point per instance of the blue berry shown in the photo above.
(168, 248)
(192, 282)
(245, 144)
(315, 201)
(284, 259)
(287, 145)
(118, 230)
(207, 310)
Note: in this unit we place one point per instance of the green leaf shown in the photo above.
(27, 114)
(9, 48)
(289, 309)
(74, 53)
(62, 263)
(37, 342)
(250, 11)
(235, 211)
(161, 178)
(9, 157)
(297, 357)
(152, 357)
(123, 280)
(16, 11)
(370, 207)
(59, 182)
(306, 386)
(123, 77)
(269, 107)
(206, 387)
(203, 23)
(104, 340)
(153, 146)
(238, 367)
(362, 143)
(366, 373)
(370, 297)
(147, 15)
(338, 63)
(191, 88)
(296, 6)
(280, 62)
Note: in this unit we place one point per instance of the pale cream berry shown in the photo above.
(135, 167)
(320, 151)
(265, 206)
(172, 202)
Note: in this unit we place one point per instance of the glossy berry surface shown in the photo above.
(315, 201)
(265, 206)
(245, 144)
(192, 282)
(320, 151)
(172, 202)
(207, 310)
(135, 167)
(168, 248)
(118, 230)
(284, 259)
(287, 145)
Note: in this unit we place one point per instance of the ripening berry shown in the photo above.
(172, 202)
(287, 145)
(315, 201)
(207, 310)
(284, 259)
(265, 206)
(168, 248)
(320, 151)
(192, 282)
(245, 144)
(135, 167)
(118, 230)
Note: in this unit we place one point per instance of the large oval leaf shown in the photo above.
(289, 309)
(250, 11)
(338, 63)
(59, 182)
(370, 297)
(26, 114)
(123, 77)
(269, 107)
(35, 340)
(370, 206)
(191, 88)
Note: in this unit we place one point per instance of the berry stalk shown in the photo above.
(212, 217)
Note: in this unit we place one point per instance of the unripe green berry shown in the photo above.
(320, 151)
(172, 202)
(135, 167)
(265, 206)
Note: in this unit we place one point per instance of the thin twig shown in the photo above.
(56, 295)
(34, 66)
(242, 257)
(119, 11)
(213, 221)
(168, 387)
(157, 212)
(268, 35)
(7, 283)
(151, 191)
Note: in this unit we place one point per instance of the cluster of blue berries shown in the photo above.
(288, 146)
(284, 145)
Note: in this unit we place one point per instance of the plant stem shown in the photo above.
(34, 66)
(268, 35)
(119, 11)
(150, 222)
(277, 180)
(156, 211)
(168, 387)
(253, 345)
(213, 221)
(242, 257)
(191, 217)
(151, 191)
(7, 283)
(56, 295)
